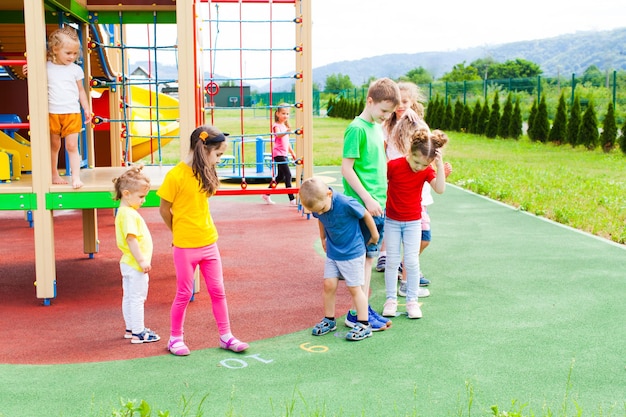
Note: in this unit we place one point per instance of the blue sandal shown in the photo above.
(147, 336)
(323, 327)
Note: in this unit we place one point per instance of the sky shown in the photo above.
(354, 29)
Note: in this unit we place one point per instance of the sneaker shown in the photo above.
(380, 265)
(373, 315)
(377, 326)
(400, 268)
(390, 308)
(402, 289)
(293, 203)
(424, 282)
(323, 327)
(413, 310)
(267, 199)
(359, 331)
(421, 292)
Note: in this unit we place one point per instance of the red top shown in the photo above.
(404, 190)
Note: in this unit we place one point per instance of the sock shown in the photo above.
(352, 312)
(330, 318)
(365, 322)
(382, 253)
(226, 337)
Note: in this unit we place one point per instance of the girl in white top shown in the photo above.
(66, 95)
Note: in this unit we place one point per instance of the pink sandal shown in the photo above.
(178, 347)
(234, 344)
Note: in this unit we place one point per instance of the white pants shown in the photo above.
(135, 292)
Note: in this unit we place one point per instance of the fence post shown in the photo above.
(614, 88)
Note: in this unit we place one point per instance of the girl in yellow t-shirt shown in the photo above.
(134, 240)
(185, 210)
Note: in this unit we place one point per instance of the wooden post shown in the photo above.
(304, 90)
(35, 27)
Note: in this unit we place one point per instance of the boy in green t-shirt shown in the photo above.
(364, 171)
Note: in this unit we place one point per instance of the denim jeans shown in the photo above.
(399, 237)
(371, 250)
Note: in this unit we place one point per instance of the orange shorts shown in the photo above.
(65, 124)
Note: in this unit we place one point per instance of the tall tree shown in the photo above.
(505, 120)
(573, 125)
(338, 82)
(541, 123)
(609, 130)
(558, 132)
(622, 139)
(516, 125)
(588, 134)
(494, 118)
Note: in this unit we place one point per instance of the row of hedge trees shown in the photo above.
(571, 127)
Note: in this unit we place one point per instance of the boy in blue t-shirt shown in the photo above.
(340, 232)
(364, 171)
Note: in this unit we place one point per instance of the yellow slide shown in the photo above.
(145, 133)
(18, 145)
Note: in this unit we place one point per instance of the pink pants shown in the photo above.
(185, 262)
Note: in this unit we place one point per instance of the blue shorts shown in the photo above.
(372, 250)
(351, 270)
(426, 235)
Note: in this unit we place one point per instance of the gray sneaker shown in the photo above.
(421, 292)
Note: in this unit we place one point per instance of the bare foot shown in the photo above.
(56, 179)
(76, 183)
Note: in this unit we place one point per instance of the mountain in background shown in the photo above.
(562, 55)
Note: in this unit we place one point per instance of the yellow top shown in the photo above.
(192, 225)
(128, 221)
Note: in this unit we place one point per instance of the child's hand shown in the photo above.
(25, 70)
(145, 266)
(374, 239)
(88, 117)
(447, 168)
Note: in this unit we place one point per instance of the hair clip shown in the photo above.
(203, 136)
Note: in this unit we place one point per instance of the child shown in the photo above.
(65, 96)
(134, 240)
(364, 170)
(344, 245)
(185, 210)
(406, 177)
(411, 98)
(281, 148)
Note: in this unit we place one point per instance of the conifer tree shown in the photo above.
(517, 124)
(475, 117)
(588, 135)
(483, 119)
(622, 139)
(531, 120)
(448, 116)
(505, 120)
(330, 109)
(609, 130)
(558, 132)
(541, 124)
(573, 124)
(494, 118)
(458, 114)
(466, 119)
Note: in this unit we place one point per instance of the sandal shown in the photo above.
(234, 344)
(147, 336)
(128, 334)
(178, 347)
(323, 327)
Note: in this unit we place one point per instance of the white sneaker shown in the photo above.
(390, 308)
(423, 292)
(293, 203)
(413, 310)
(267, 199)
